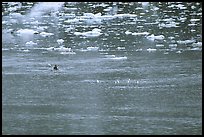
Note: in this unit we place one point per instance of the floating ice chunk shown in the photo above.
(128, 32)
(102, 5)
(50, 48)
(198, 44)
(155, 8)
(49, 65)
(44, 7)
(138, 49)
(159, 45)
(178, 52)
(25, 50)
(172, 45)
(140, 33)
(182, 19)
(191, 24)
(92, 48)
(185, 41)
(113, 57)
(25, 32)
(151, 50)
(193, 20)
(145, 3)
(16, 15)
(60, 41)
(193, 7)
(41, 28)
(89, 15)
(153, 37)
(169, 25)
(119, 58)
(45, 34)
(171, 37)
(31, 43)
(196, 48)
(110, 56)
(94, 33)
(4, 22)
(107, 17)
(70, 53)
(125, 15)
(107, 9)
(72, 20)
(179, 6)
(71, 8)
(63, 49)
(121, 48)
(97, 81)
(168, 20)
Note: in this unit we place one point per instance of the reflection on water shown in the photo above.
(124, 68)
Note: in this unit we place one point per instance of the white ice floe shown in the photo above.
(169, 25)
(119, 58)
(193, 20)
(153, 37)
(192, 24)
(91, 15)
(97, 18)
(60, 41)
(45, 34)
(68, 53)
(128, 32)
(92, 48)
(94, 33)
(151, 50)
(110, 56)
(44, 7)
(41, 28)
(172, 45)
(198, 44)
(16, 15)
(124, 15)
(136, 33)
(50, 48)
(159, 45)
(182, 19)
(113, 57)
(121, 48)
(168, 19)
(63, 49)
(185, 41)
(195, 49)
(145, 4)
(23, 32)
(75, 20)
(25, 50)
(140, 33)
(179, 52)
(31, 43)
(90, 18)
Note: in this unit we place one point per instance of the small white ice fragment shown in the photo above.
(151, 50)
(60, 41)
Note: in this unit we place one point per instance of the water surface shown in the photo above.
(124, 68)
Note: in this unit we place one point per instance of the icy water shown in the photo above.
(124, 68)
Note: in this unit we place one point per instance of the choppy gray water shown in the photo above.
(124, 68)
